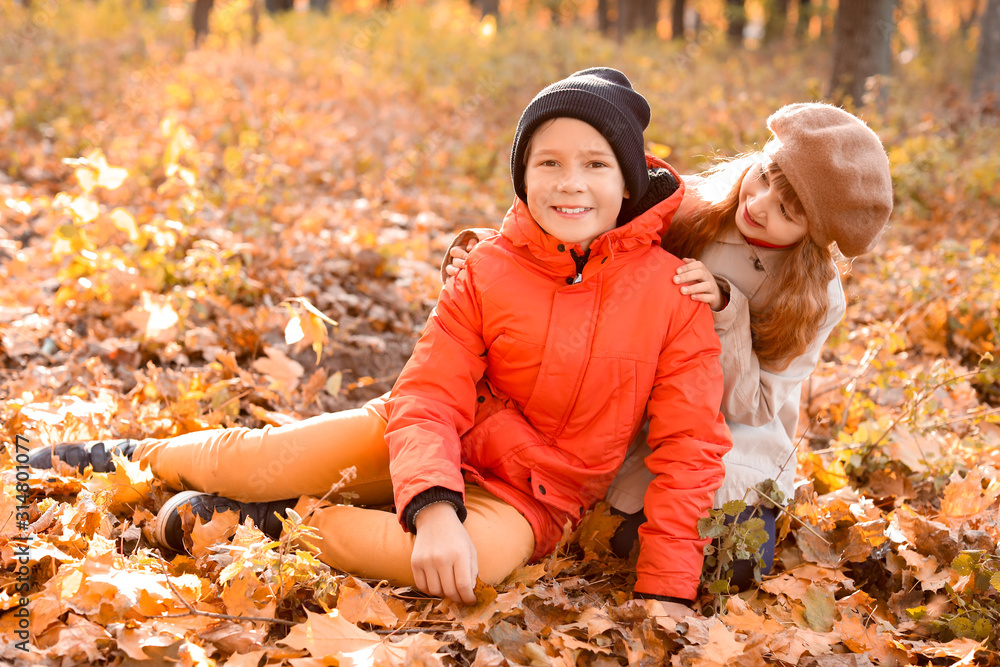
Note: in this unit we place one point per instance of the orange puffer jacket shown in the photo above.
(533, 387)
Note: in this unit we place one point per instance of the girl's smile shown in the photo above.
(750, 220)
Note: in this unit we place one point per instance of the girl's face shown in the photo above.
(761, 214)
(574, 184)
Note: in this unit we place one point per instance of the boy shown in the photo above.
(532, 376)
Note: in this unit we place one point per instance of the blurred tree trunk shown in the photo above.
(255, 22)
(649, 14)
(677, 20)
(861, 46)
(321, 6)
(965, 22)
(628, 14)
(736, 15)
(277, 6)
(925, 32)
(490, 8)
(776, 19)
(805, 16)
(603, 22)
(824, 14)
(199, 19)
(986, 79)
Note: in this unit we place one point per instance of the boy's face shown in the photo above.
(574, 184)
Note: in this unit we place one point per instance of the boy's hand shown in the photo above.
(699, 282)
(457, 258)
(444, 559)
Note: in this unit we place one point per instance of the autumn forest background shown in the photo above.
(233, 214)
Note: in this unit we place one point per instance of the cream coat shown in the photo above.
(760, 406)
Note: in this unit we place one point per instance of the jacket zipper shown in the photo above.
(581, 261)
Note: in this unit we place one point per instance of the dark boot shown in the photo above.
(96, 453)
(170, 533)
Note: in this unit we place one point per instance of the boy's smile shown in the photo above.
(574, 184)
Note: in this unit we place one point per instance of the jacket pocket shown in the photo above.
(554, 492)
(498, 438)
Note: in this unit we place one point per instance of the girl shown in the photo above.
(756, 234)
(503, 426)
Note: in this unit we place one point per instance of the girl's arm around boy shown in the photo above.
(688, 437)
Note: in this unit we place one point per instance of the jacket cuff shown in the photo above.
(662, 598)
(736, 301)
(435, 494)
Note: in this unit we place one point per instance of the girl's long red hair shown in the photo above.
(784, 326)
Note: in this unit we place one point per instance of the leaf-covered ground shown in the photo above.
(179, 227)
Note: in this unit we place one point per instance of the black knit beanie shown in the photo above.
(602, 97)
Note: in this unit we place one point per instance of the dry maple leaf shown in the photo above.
(358, 602)
(739, 617)
(78, 640)
(925, 569)
(722, 646)
(246, 595)
(283, 372)
(926, 536)
(127, 485)
(246, 659)
(528, 575)
(789, 646)
(963, 649)
(207, 534)
(332, 636)
(966, 497)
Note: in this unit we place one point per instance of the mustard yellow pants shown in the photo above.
(304, 460)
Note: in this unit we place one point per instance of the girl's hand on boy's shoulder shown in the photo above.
(698, 282)
(444, 560)
(457, 258)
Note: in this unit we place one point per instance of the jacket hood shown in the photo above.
(650, 216)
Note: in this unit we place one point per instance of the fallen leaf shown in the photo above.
(331, 636)
(207, 534)
(283, 372)
(155, 318)
(126, 486)
(739, 617)
(966, 497)
(925, 569)
(358, 602)
(722, 647)
(820, 609)
(926, 536)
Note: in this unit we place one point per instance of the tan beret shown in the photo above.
(839, 170)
